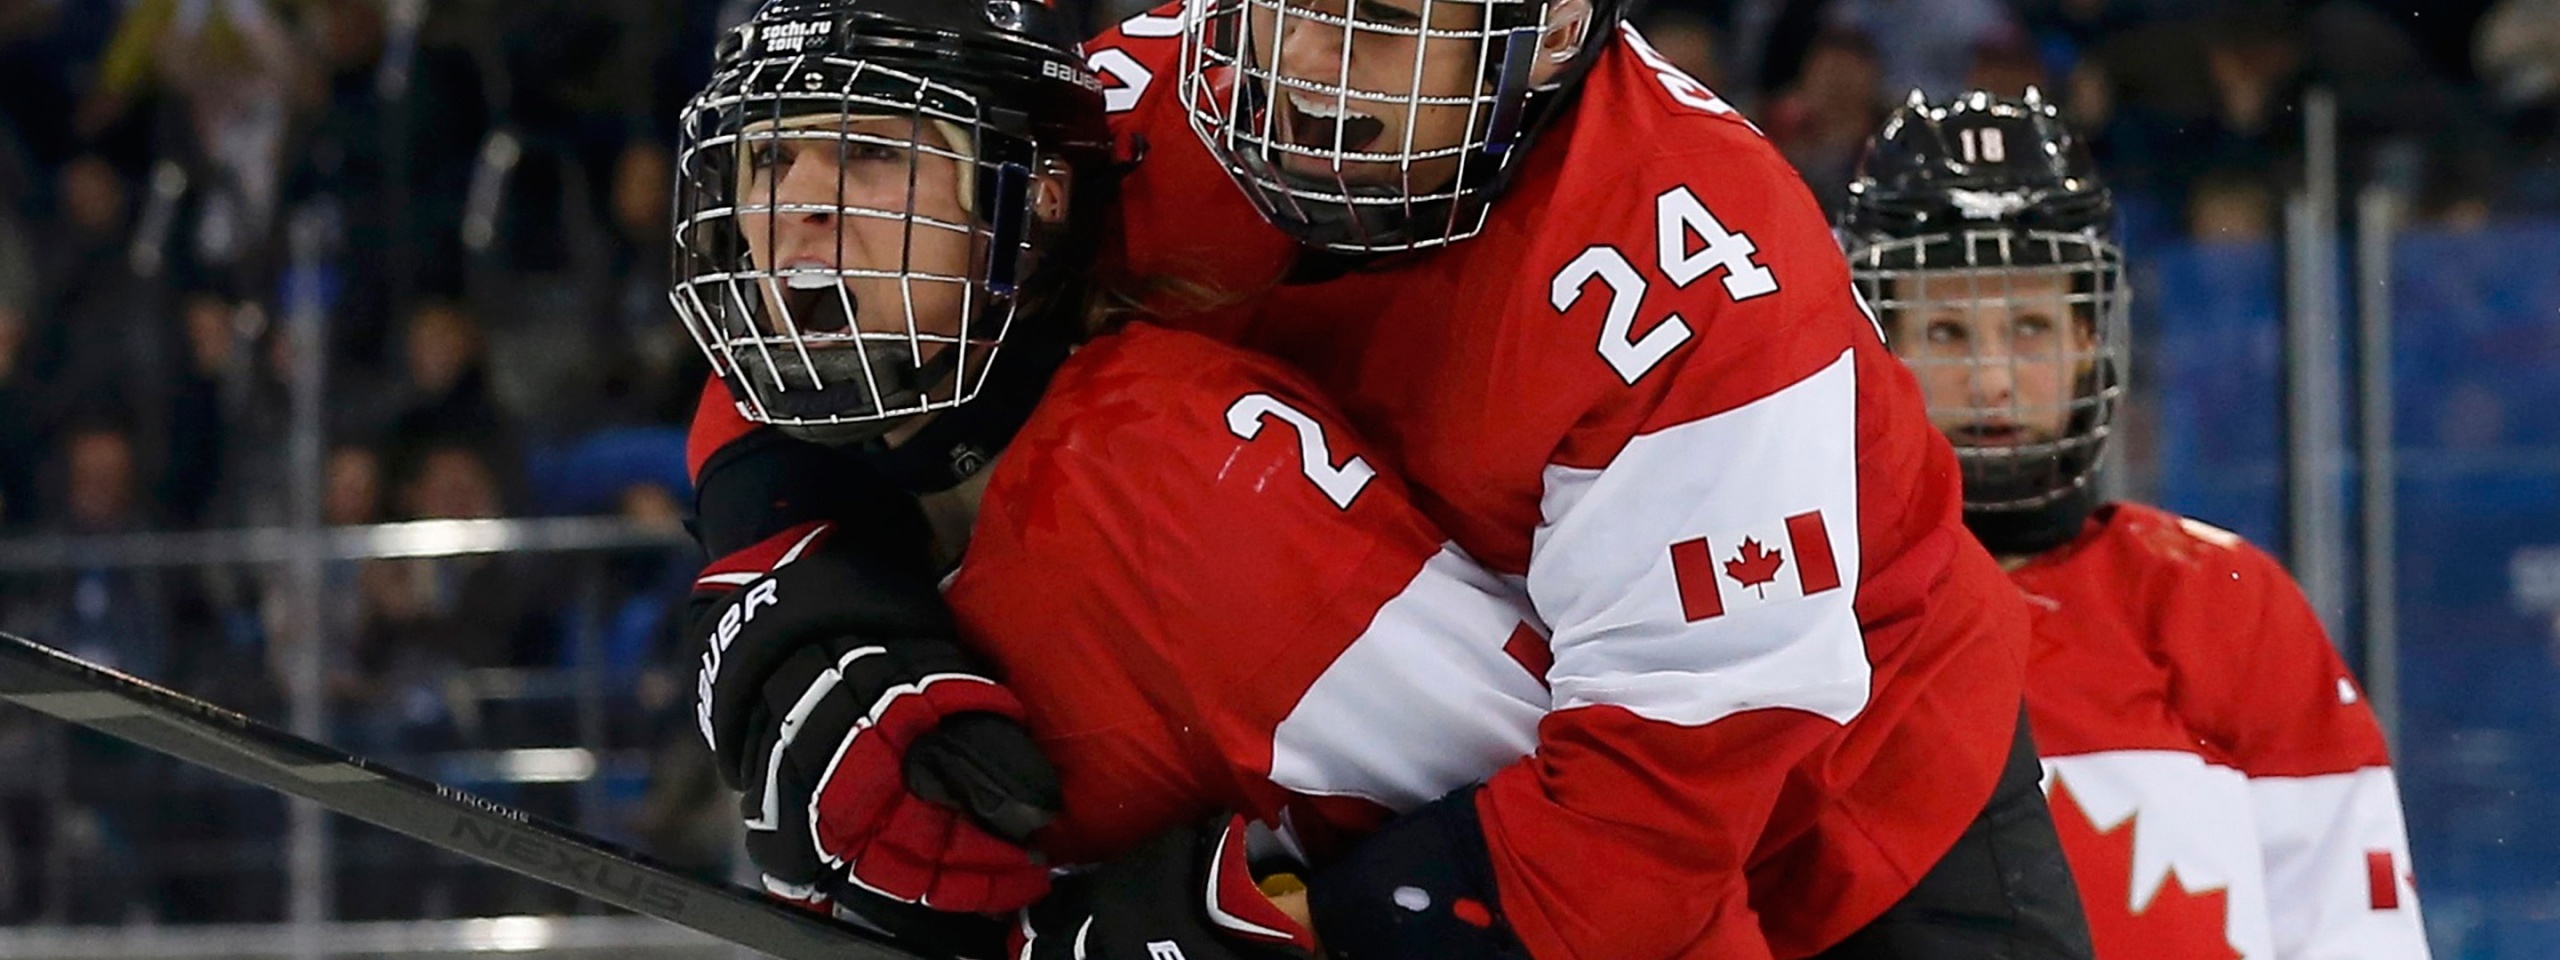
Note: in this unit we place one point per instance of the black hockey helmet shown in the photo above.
(995, 89)
(1980, 233)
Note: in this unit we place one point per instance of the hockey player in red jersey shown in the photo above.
(1601, 328)
(1207, 604)
(2219, 783)
(1783, 705)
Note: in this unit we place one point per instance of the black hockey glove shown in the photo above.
(1186, 893)
(875, 757)
(1422, 888)
(868, 745)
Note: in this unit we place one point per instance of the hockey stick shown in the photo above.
(49, 681)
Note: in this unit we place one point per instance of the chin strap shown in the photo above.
(959, 442)
(2024, 533)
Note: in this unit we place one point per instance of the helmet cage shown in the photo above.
(795, 346)
(1962, 272)
(1233, 92)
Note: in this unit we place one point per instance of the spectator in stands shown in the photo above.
(654, 366)
(687, 818)
(231, 67)
(1822, 121)
(2179, 98)
(453, 480)
(113, 615)
(20, 444)
(99, 491)
(391, 144)
(468, 611)
(351, 495)
(119, 617)
(198, 396)
(1926, 44)
(2517, 53)
(445, 396)
(448, 381)
(84, 284)
(645, 589)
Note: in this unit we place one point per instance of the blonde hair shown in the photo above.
(1118, 302)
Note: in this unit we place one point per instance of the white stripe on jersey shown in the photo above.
(2338, 880)
(1425, 701)
(1601, 565)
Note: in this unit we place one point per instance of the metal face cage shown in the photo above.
(2017, 338)
(849, 238)
(1363, 125)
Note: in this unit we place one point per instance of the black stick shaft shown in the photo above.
(49, 681)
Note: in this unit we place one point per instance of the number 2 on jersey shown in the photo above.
(1678, 216)
(1340, 484)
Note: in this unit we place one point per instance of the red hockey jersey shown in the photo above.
(2219, 783)
(1208, 597)
(1783, 676)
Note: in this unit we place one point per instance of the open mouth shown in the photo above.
(816, 301)
(1327, 124)
(1988, 435)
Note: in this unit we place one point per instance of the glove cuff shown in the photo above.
(764, 483)
(1235, 901)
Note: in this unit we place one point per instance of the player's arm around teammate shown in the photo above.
(865, 223)
(1604, 332)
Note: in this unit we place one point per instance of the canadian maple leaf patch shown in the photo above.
(1755, 566)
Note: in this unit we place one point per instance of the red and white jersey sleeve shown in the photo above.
(1209, 597)
(1749, 557)
(2260, 680)
(2180, 679)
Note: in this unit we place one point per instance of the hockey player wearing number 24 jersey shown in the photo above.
(2220, 785)
(1601, 328)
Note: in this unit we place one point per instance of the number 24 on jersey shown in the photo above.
(1678, 216)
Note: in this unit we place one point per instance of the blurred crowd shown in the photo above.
(460, 207)
(2192, 105)
(461, 204)
(471, 195)
(465, 200)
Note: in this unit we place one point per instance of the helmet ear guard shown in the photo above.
(1589, 22)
